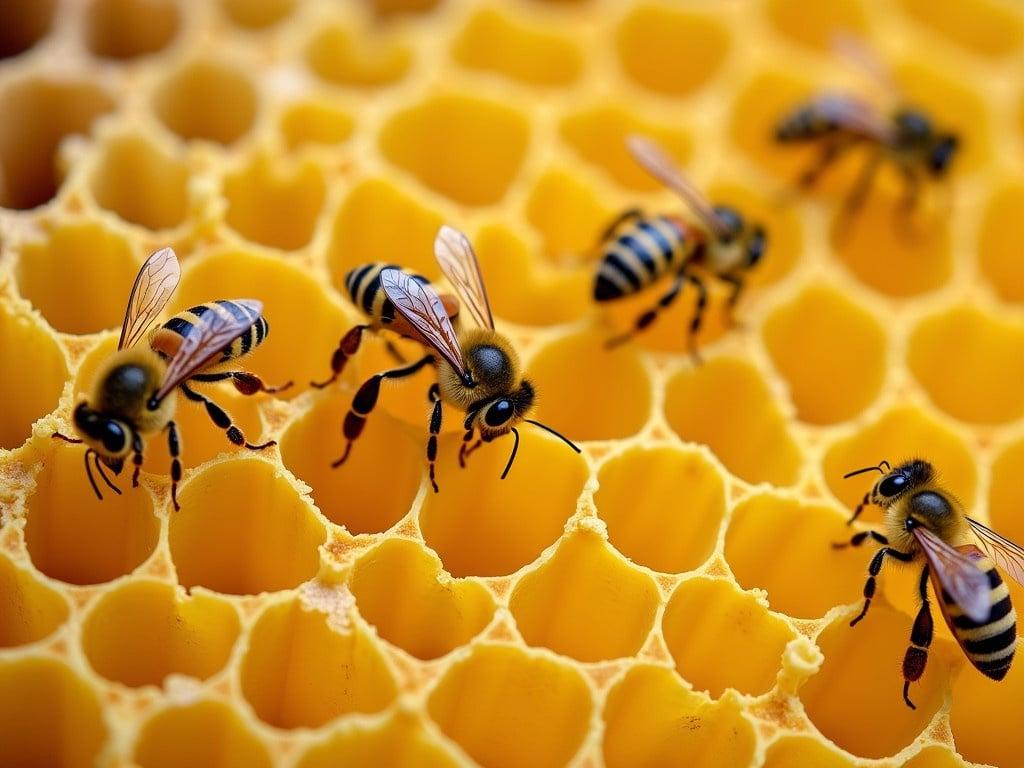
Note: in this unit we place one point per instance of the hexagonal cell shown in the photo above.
(315, 123)
(570, 590)
(23, 24)
(301, 671)
(803, 338)
(801, 751)
(401, 589)
(1002, 229)
(981, 386)
(38, 114)
(79, 539)
(275, 204)
(651, 719)
(304, 325)
(145, 630)
(816, 25)
(366, 61)
(29, 610)
(464, 147)
(140, 182)
(670, 537)
(753, 442)
(670, 52)
(482, 525)
(48, 715)
(103, 264)
(257, 14)
(243, 529)
(208, 733)
(401, 741)
(497, 42)
(861, 674)
(618, 393)
(983, 712)
(28, 391)
(598, 135)
(508, 707)
(126, 29)
(1005, 493)
(793, 533)
(936, 757)
(352, 495)
(722, 637)
(981, 26)
(208, 100)
(569, 216)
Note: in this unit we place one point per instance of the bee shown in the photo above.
(478, 370)
(134, 394)
(639, 249)
(926, 524)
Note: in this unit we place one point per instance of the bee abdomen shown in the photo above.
(364, 289)
(167, 338)
(804, 124)
(989, 645)
(638, 255)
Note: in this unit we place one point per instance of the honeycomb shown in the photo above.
(669, 597)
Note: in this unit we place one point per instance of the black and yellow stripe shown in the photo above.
(807, 123)
(363, 286)
(642, 252)
(167, 338)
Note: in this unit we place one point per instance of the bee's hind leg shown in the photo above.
(916, 657)
(245, 382)
(347, 347)
(855, 200)
(174, 448)
(434, 395)
(830, 152)
(220, 417)
(650, 315)
(873, 570)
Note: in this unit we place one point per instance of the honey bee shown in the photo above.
(926, 524)
(134, 394)
(478, 370)
(638, 249)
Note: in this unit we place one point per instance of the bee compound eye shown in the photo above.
(113, 437)
(891, 486)
(499, 413)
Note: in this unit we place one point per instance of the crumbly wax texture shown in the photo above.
(670, 596)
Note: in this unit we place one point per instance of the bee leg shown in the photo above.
(174, 448)
(88, 473)
(920, 638)
(738, 284)
(651, 314)
(66, 439)
(830, 152)
(366, 400)
(245, 382)
(855, 200)
(347, 347)
(221, 419)
(873, 569)
(627, 215)
(466, 449)
(860, 508)
(698, 315)
(136, 458)
(912, 192)
(859, 538)
(434, 396)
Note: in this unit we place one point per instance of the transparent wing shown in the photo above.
(458, 261)
(153, 288)
(657, 163)
(418, 304)
(1006, 554)
(207, 340)
(852, 114)
(957, 573)
(859, 54)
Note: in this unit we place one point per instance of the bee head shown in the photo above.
(913, 126)
(898, 481)
(757, 240)
(501, 414)
(110, 438)
(942, 152)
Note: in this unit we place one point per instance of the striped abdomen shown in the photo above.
(640, 253)
(166, 339)
(363, 286)
(988, 645)
(807, 123)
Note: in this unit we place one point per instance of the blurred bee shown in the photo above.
(478, 370)
(926, 524)
(134, 393)
(639, 249)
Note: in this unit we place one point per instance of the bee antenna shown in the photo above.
(103, 474)
(512, 456)
(88, 472)
(883, 463)
(556, 433)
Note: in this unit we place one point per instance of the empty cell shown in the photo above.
(721, 637)
(401, 589)
(663, 506)
(206, 733)
(651, 719)
(1006, 493)
(208, 100)
(569, 216)
(985, 715)
(585, 584)
(141, 182)
(243, 529)
(598, 134)
(970, 361)
(935, 757)
(482, 525)
(257, 14)
(79, 539)
(338, 56)
(23, 23)
(1002, 229)
(506, 707)
(821, 330)
(803, 751)
(49, 716)
(495, 42)
(817, 24)
(27, 391)
(29, 610)
(126, 29)
(724, 404)
(300, 671)
(617, 401)
(38, 114)
(981, 26)
(143, 631)
(401, 742)
(308, 123)
(464, 147)
(400, 7)
(785, 548)
(670, 52)
(275, 204)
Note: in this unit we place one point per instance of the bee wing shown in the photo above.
(1006, 554)
(657, 163)
(957, 573)
(418, 304)
(458, 261)
(858, 53)
(207, 340)
(153, 288)
(852, 114)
